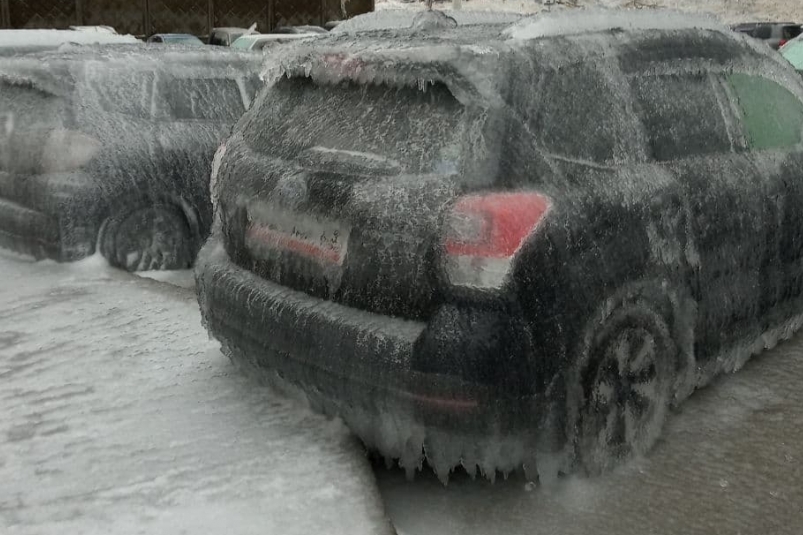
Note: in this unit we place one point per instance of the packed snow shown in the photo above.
(730, 11)
(54, 38)
(120, 416)
(594, 20)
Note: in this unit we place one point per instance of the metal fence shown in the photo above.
(145, 17)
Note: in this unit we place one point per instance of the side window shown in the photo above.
(579, 116)
(119, 90)
(771, 115)
(215, 39)
(681, 116)
(210, 99)
(762, 32)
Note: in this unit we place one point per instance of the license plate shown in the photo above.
(273, 228)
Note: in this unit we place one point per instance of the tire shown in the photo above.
(151, 238)
(625, 379)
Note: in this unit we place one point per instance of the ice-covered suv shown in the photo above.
(113, 147)
(498, 246)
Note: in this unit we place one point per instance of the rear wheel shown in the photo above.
(626, 378)
(151, 238)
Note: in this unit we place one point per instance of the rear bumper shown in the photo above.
(356, 364)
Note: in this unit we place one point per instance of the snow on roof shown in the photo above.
(54, 38)
(595, 20)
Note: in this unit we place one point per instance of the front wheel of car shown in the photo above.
(625, 378)
(150, 238)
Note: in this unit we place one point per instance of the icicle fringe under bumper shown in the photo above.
(357, 365)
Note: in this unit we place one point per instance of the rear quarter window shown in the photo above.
(580, 116)
(208, 99)
(681, 115)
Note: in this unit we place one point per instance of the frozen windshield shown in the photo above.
(418, 128)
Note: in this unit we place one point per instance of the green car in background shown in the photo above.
(793, 52)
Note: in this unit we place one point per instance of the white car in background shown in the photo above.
(262, 41)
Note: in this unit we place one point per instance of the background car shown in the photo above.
(175, 38)
(113, 148)
(225, 36)
(483, 275)
(775, 34)
(262, 41)
(102, 29)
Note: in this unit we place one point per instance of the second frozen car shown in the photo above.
(113, 148)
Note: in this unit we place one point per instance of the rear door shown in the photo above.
(770, 117)
(689, 130)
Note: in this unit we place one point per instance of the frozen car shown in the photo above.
(113, 148)
(226, 36)
(507, 246)
(175, 38)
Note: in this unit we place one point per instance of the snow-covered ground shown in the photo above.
(730, 11)
(119, 416)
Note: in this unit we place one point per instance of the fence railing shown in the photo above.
(145, 17)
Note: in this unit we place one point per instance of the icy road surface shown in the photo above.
(118, 416)
(730, 463)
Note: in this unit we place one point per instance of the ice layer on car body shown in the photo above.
(644, 197)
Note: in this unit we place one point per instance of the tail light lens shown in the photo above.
(484, 232)
(67, 150)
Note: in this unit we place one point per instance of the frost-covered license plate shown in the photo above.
(273, 228)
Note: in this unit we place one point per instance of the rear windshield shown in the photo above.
(419, 129)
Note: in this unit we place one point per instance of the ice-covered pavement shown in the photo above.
(731, 463)
(118, 415)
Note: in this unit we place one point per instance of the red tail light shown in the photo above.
(484, 233)
(782, 42)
